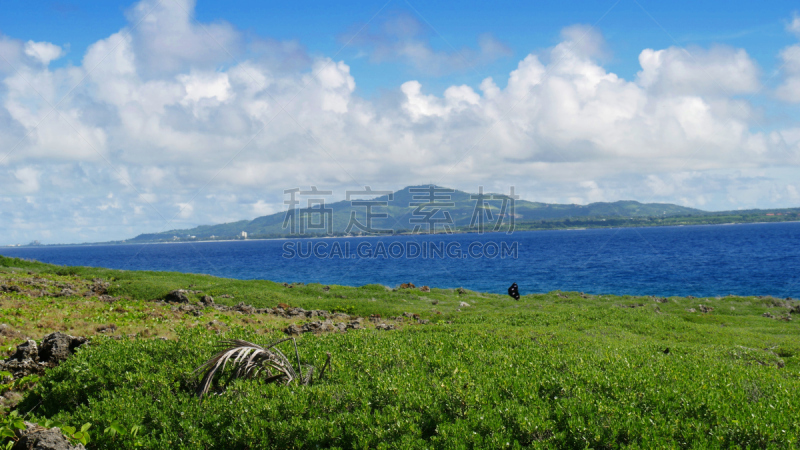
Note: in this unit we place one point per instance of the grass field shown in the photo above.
(554, 370)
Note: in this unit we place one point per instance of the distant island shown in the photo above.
(408, 211)
(427, 208)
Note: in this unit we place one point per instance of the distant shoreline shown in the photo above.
(577, 228)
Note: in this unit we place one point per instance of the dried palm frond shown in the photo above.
(248, 360)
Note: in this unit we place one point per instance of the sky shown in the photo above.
(119, 118)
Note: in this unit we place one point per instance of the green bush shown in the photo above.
(434, 387)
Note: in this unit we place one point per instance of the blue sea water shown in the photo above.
(750, 259)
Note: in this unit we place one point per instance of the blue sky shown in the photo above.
(524, 26)
(174, 113)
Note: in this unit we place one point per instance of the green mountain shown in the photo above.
(411, 209)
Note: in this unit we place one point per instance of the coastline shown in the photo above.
(454, 232)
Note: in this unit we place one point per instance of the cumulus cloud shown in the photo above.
(170, 39)
(164, 126)
(404, 38)
(717, 71)
(43, 51)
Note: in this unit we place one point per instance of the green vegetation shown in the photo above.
(726, 217)
(555, 370)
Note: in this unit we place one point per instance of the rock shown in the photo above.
(384, 326)
(177, 296)
(411, 315)
(26, 351)
(375, 318)
(110, 328)
(35, 437)
(425, 289)
(67, 293)
(24, 362)
(6, 330)
(294, 312)
(19, 369)
(691, 310)
(326, 288)
(99, 286)
(461, 291)
(463, 304)
(244, 309)
(7, 288)
(355, 325)
(57, 347)
(226, 296)
(768, 315)
(319, 313)
(314, 327)
(293, 330)
(423, 321)
(185, 308)
(660, 300)
(705, 309)
(207, 300)
(407, 286)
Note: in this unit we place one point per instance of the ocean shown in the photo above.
(712, 260)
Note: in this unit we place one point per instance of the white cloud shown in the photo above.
(717, 71)
(794, 26)
(262, 208)
(28, 178)
(43, 51)
(185, 210)
(789, 90)
(202, 86)
(170, 39)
